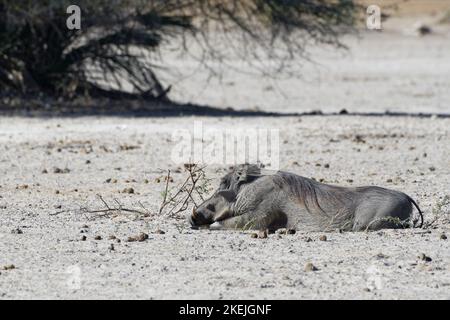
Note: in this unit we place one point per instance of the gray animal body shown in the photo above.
(249, 199)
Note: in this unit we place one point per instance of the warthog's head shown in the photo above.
(220, 205)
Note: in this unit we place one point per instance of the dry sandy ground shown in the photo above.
(51, 261)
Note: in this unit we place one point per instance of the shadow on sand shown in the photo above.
(140, 108)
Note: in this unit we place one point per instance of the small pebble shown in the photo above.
(443, 237)
(128, 190)
(16, 231)
(9, 267)
(83, 238)
(424, 257)
(140, 237)
(98, 238)
(262, 234)
(310, 267)
(323, 238)
(254, 235)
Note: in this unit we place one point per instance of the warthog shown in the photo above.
(250, 199)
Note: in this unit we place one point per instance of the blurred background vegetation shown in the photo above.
(121, 40)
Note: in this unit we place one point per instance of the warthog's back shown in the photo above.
(332, 207)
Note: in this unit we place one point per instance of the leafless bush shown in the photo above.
(121, 40)
(191, 192)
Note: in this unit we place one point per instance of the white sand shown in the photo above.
(52, 262)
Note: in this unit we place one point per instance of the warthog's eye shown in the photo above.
(211, 207)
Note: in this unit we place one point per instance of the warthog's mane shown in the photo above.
(316, 197)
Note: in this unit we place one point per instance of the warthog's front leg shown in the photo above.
(252, 221)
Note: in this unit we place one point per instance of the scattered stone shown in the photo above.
(308, 239)
(85, 226)
(9, 267)
(140, 238)
(159, 231)
(57, 206)
(424, 257)
(44, 171)
(112, 237)
(381, 256)
(88, 161)
(323, 238)
(128, 190)
(83, 238)
(254, 235)
(326, 165)
(61, 171)
(57, 192)
(432, 169)
(290, 231)
(111, 247)
(16, 231)
(359, 139)
(423, 30)
(98, 238)
(443, 237)
(389, 180)
(262, 234)
(310, 267)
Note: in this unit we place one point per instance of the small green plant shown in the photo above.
(441, 208)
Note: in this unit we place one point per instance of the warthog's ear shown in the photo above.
(248, 173)
(229, 195)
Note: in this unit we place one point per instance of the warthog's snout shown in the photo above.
(201, 216)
